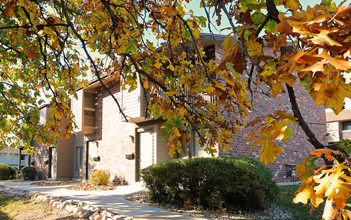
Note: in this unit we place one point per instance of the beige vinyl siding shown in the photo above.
(162, 149)
(344, 115)
(133, 103)
(333, 129)
(77, 109)
(43, 115)
(64, 158)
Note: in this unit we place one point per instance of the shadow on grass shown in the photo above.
(4, 216)
(4, 201)
(299, 210)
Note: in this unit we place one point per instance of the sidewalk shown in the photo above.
(112, 200)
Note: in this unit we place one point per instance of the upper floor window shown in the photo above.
(346, 125)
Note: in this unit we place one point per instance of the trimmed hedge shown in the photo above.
(29, 173)
(211, 183)
(5, 171)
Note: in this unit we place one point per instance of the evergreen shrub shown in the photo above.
(29, 173)
(5, 171)
(211, 183)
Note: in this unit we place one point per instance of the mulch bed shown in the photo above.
(90, 187)
(274, 212)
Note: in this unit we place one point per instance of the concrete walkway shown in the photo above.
(112, 200)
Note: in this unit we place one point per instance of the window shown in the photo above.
(196, 148)
(79, 158)
(346, 125)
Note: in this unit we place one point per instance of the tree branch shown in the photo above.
(97, 72)
(297, 113)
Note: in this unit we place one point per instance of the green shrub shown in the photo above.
(99, 177)
(29, 173)
(211, 183)
(5, 171)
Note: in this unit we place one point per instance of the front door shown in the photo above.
(146, 149)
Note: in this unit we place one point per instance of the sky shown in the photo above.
(194, 5)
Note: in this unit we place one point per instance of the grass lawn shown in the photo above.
(299, 210)
(13, 207)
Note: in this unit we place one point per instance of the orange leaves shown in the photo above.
(292, 4)
(325, 54)
(31, 53)
(343, 10)
(332, 182)
(275, 75)
(271, 128)
(170, 11)
(10, 7)
(325, 58)
(328, 153)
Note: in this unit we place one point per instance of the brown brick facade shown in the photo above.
(297, 147)
(40, 159)
(113, 138)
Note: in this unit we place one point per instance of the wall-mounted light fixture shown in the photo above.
(130, 156)
(291, 170)
(96, 159)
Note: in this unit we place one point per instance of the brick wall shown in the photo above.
(298, 146)
(39, 157)
(113, 138)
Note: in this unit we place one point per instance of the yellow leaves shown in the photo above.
(329, 213)
(292, 4)
(57, 134)
(174, 134)
(275, 76)
(304, 193)
(332, 182)
(323, 39)
(273, 127)
(269, 150)
(229, 79)
(220, 86)
(254, 48)
(158, 65)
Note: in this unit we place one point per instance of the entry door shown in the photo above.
(146, 149)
